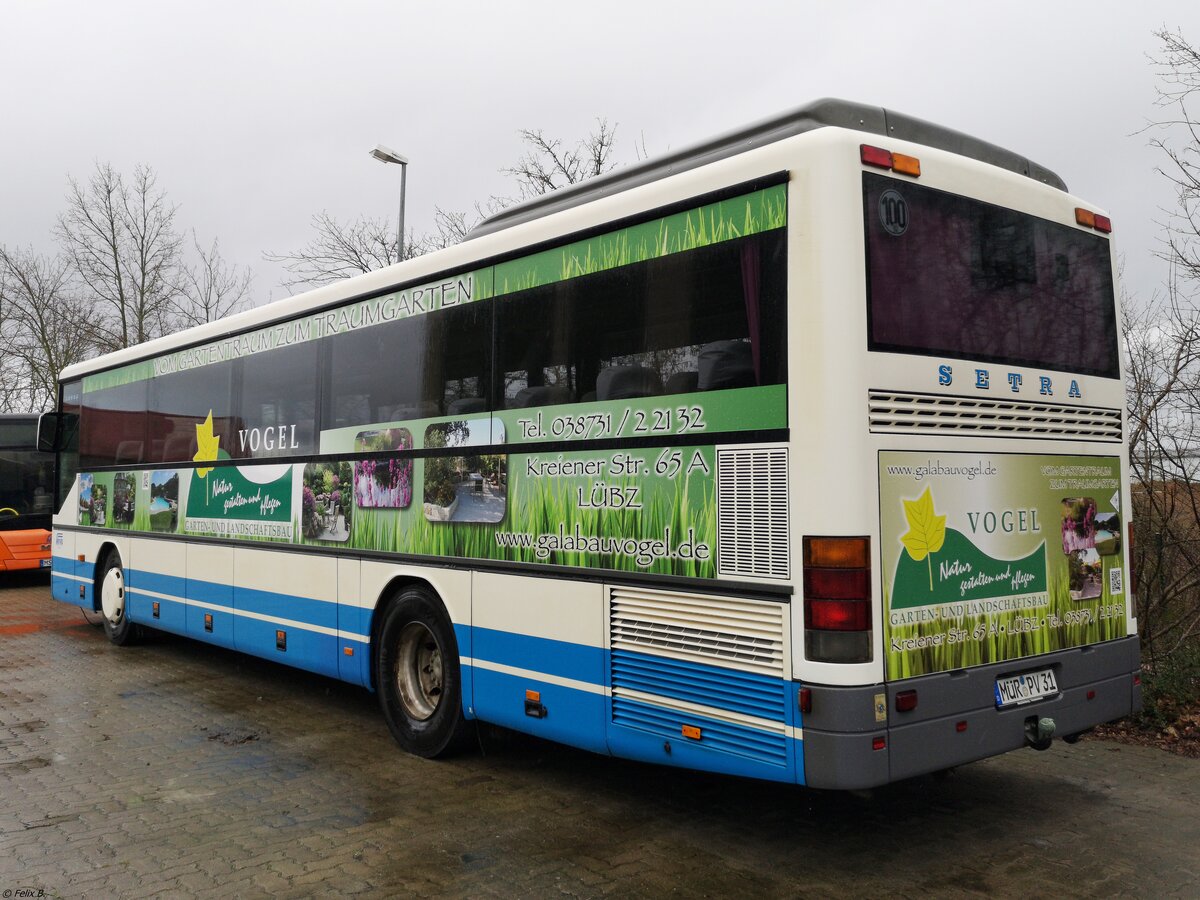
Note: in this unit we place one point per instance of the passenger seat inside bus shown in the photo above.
(464, 405)
(627, 382)
(178, 448)
(726, 364)
(129, 452)
(403, 412)
(543, 395)
(682, 383)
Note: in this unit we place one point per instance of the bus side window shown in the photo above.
(179, 402)
(420, 367)
(707, 319)
(112, 417)
(276, 409)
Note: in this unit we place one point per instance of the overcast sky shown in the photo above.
(257, 115)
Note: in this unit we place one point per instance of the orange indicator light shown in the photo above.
(906, 165)
(692, 732)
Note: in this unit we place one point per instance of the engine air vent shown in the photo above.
(893, 412)
(752, 513)
(744, 634)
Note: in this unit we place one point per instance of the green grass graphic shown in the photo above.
(540, 506)
(1008, 642)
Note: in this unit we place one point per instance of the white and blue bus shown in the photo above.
(796, 455)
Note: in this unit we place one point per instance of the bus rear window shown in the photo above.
(951, 276)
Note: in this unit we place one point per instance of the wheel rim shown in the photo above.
(112, 596)
(419, 671)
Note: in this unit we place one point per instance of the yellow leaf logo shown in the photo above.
(926, 530)
(207, 445)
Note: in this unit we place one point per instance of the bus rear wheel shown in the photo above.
(418, 676)
(110, 584)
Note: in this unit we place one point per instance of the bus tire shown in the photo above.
(418, 676)
(110, 585)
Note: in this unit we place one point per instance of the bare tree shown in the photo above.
(211, 288)
(549, 163)
(120, 237)
(343, 250)
(1178, 71)
(42, 327)
(1162, 341)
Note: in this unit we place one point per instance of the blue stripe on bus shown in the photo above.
(581, 718)
(735, 690)
(139, 607)
(579, 662)
(67, 590)
(143, 580)
(267, 603)
(572, 716)
(309, 650)
(304, 610)
(722, 747)
(286, 606)
(726, 737)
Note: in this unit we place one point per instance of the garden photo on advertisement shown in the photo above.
(91, 501)
(164, 500)
(1078, 524)
(124, 499)
(326, 503)
(383, 483)
(470, 488)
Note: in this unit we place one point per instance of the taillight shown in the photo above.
(875, 156)
(837, 599)
(1089, 219)
(886, 159)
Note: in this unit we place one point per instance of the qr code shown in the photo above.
(1114, 582)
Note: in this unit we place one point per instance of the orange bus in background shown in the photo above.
(26, 495)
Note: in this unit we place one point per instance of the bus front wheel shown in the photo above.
(111, 586)
(418, 676)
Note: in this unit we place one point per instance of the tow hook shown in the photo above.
(1039, 732)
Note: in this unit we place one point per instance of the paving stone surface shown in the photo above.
(172, 769)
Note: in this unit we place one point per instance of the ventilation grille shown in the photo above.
(899, 413)
(725, 735)
(728, 689)
(744, 634)
(752, 513)
(710, 663)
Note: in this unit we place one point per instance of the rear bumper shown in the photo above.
(956, 720)
(18, 565)
(24, 549)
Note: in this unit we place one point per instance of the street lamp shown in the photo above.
(384, 155)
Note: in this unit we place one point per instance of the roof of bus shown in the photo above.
(819, 114)
(828, 112)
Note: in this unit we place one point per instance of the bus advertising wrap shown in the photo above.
(995, 557)
(464, 488)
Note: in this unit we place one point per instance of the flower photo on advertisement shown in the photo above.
(383, 483)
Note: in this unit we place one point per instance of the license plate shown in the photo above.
(1015, 690)
(45, 563)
